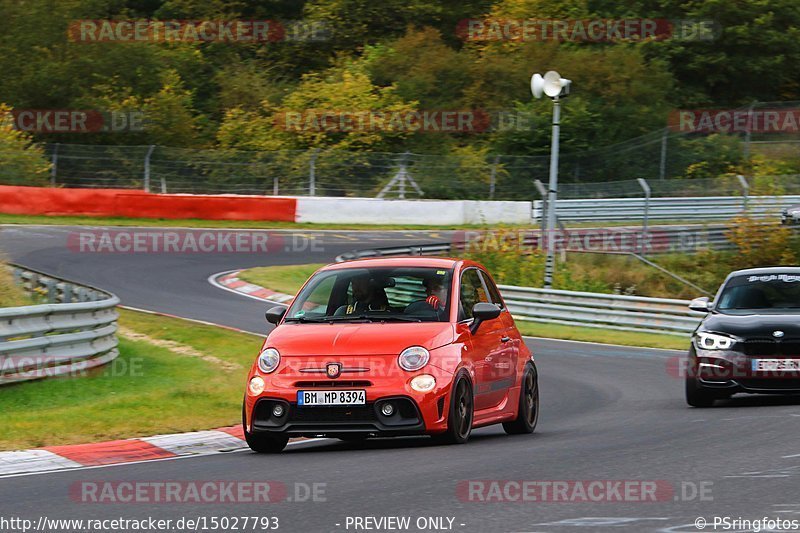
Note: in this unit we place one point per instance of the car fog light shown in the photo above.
(256, 385)
(278, 411)
(387, 409)
(423, 383)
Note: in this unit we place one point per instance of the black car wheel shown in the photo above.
(528, 415)
(699, 396)
(459, 419)
(263, 442)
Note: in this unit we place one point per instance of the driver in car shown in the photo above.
(436, 296)
(366, 297)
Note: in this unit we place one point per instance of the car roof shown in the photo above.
(765, 270)
(410, 261)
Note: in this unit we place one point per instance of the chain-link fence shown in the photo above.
(675, 161)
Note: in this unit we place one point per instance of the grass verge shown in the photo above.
(197, 223)
(606, 336)
(288, 279)
(171, 376)
(11, 294)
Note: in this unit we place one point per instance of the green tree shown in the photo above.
(22, 162)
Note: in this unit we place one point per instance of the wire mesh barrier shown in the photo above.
(73, 333)
(372, 174)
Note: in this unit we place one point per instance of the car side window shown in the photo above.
(494, 292)
(472, 292)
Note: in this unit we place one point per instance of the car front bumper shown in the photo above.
(732, 371)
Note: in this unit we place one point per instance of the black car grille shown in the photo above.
(331, 384)
(772, 347)
(356, 413)
(767, 384)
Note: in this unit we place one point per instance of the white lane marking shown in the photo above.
(601, 521)
(195, 456)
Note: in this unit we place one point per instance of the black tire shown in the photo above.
(528, 415)
(263, 442)
(698, 396)
(460, 414)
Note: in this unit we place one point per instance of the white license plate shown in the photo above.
(773, 365)
(331, 397)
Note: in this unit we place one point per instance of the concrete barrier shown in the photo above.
(423, 212)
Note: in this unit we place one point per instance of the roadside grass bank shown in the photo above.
(171, 376)
(11, 294)
(239, 224)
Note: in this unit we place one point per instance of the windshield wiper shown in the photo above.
(372, 318)
(306, 319)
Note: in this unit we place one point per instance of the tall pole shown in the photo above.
(552, 194)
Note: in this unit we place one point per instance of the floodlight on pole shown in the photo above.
(553, 86)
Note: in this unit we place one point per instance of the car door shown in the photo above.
(486, 343)
(504, 363)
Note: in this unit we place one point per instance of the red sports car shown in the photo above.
(383, 347)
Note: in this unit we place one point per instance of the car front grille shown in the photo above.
(772, 347)
(332, 384)
(354, 413)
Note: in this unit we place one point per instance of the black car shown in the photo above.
(750, 340)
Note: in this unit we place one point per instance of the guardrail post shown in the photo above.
(67, 293)
(745, 191)
(646, 188)
(147, 167)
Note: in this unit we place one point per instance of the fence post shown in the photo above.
(748, 130)
(312, 173)
(147, 167)
(54, 166)
(662, 168)
(745, 190)
(275, 189)
(543, 192)
(493, 178)
(646, 188)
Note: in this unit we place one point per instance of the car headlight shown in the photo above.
(256, 385)
(268, 360)
(423, 383)
(713, 341)
(413, 358)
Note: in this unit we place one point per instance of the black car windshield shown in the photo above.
(399, 294)
(763, 293)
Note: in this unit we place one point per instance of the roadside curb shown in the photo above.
(230, 281)
(56, 458)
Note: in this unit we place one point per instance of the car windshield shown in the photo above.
(399, 294)
(766, 293)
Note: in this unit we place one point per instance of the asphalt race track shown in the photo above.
(608, 413)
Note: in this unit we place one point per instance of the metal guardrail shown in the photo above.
(574, 308)
(607, 311)
(696, 208)
(73, 333)
(660, 239)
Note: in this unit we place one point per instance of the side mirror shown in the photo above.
(481, 312)
(275, 314)
(700, 304)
